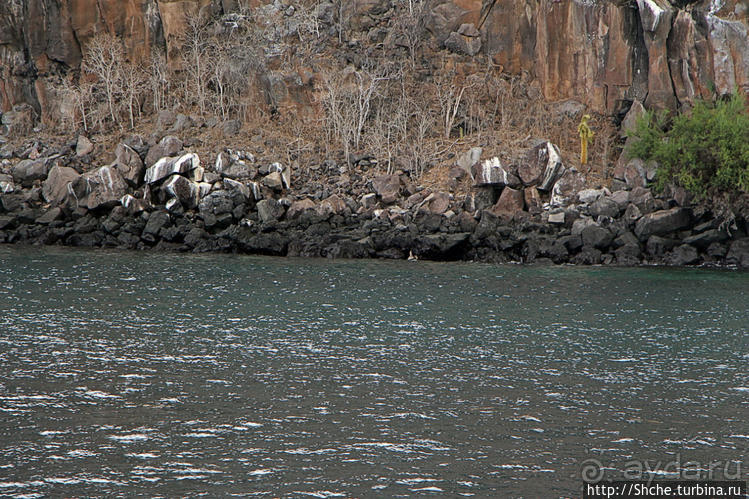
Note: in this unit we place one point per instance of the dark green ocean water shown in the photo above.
(125, 373)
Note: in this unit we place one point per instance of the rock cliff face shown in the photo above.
(602, 53)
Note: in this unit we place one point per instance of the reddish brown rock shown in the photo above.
(533, 200)
(298, 207)
(387, 187)
(510, 202)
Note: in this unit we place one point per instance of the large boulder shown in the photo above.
(633, 173)
(387, 187)
(541, 165)
(273, 181)
(28, 170)
(466, 40)
(216, 203)
(183, 190)
(663, 222)
(566, 188)
(510, 202)
(683, 255)
(269, 210)
(105, 187)
(738, 253)
(134, 205)
(332, 205)
(604, 207)
(437, 202)
(128, 162)
(238, 170)
(55, 188)
(241, 192)
(168, 146)
(492, 173)
(166, 167)
(596, 236)
(298, 207)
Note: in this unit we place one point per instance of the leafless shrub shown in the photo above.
(159, 80)
(77, 104)
(103, 58)
(408, 27)
(195, 44)
(347, 101)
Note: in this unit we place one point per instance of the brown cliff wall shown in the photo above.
(601, 53)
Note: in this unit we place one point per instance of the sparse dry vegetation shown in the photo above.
(387, 101)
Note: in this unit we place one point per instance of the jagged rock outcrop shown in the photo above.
(604, 54)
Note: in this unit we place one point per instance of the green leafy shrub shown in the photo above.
(703, 150)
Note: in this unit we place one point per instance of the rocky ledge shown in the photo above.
(530, 209)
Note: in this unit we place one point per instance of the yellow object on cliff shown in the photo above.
(586, 136)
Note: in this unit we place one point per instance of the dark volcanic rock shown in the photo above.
(27, 171)
(738, 253)
(596, 236)
(663, 222)
(683, 255)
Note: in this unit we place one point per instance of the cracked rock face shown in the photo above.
(601, 53)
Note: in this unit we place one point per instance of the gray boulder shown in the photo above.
(83, 146)
(168, 146)
(657, 246)
(239, 170)
(269, 210)
(298, 207)
(6, 184)
(466, 40)
(216, 203)
(387, 187)
(604, 207)
(128, 162)
(683, 255)
(663, 222)
(134, 205)
(705, 239)
(156, 221)
(541, 165)
(29, 170)
(183, 190)
(566, 188)
(273, 181)
(55, 189)
(492, 173)
(597, 236)
(165, 167)
(104, 188)
(738, 253)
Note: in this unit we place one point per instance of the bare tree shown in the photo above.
(450, 94)
(158, 80)
(134, 84)
(104, 57)
(78, 103)
(196, 42)
(408, 28)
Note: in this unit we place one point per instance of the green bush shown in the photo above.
(704, 150)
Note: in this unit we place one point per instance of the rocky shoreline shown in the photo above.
(531, 209)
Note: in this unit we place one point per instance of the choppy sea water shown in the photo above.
(178, 375)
